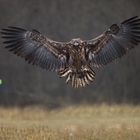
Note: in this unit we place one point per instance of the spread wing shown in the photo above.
(114, 42)
(35, 48)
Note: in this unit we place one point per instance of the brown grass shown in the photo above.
(72, 123)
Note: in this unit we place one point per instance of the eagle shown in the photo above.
(77, 59)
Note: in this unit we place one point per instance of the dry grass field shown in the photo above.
(97, 122)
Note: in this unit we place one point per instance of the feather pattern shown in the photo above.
(35, 48)
(115, 42)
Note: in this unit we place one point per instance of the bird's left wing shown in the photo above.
(114, 42)
(36, 48)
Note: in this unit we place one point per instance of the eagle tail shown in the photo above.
(79, 78)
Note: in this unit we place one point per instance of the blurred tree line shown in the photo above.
(63, 20)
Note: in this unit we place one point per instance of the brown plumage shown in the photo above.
(76, 59)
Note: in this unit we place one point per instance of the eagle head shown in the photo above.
(76, 42)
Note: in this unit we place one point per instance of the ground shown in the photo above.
(94, 122)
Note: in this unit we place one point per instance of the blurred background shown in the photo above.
(62, 20)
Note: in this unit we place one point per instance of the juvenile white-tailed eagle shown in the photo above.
(76, 59)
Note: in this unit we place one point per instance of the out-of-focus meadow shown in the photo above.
(97, 122)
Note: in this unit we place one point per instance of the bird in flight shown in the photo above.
(75, 60)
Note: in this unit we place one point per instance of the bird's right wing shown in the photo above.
(36, 48)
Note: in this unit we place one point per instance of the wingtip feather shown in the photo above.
(132, 19)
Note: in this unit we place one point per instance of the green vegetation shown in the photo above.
(1, 82)
(71, 123)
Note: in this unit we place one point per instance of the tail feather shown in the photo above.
(78, 78)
